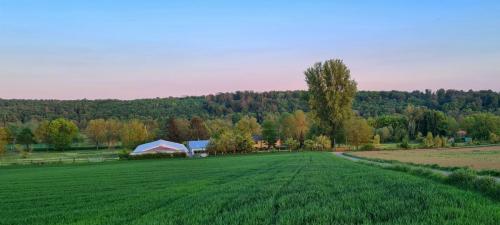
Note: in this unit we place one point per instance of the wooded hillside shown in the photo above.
(235, 105)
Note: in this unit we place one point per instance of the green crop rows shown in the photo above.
(292, 188)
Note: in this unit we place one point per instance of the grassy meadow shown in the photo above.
(71, 156)
(280, 188)
(479, 158)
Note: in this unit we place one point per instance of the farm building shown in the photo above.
(196, 147)
(160, 146)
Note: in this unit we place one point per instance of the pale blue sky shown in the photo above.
(71, 49)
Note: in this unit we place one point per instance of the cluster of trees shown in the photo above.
(451, 102)
(237, 138)
(419, 121)
(61, 133)
(58, 133)
(3, 140)
(292, 129)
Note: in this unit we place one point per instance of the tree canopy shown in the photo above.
(331, 93)
(61, 133)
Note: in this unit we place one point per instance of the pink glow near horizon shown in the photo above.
(96, 50)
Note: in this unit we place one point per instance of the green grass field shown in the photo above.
(282, 188)
(72, 156)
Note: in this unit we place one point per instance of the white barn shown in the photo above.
(160, 146)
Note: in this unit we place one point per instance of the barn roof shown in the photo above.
(160, 143)
(201, 144)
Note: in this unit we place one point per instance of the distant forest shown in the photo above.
(235, 105)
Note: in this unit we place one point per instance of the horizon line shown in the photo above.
(233, 92)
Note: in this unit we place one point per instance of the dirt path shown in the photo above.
(383, 164)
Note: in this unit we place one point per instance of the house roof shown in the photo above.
(202, 144)
(160, 143)
(257, 138)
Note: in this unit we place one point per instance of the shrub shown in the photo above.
(429, 140)
(444, 142)
(367, 147)
(323, 143)
(292, 144)
(495, 173)
(24, 153)
(124, 154)
(462, 177)
(153, 156)
(376, 140)
(494, 138)
(419, 137)
(485, 184)
(309, 144)
(401, 168)
(438, 142)
(405, 143)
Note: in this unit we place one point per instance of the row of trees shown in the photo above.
(60, 133)
(418, 121)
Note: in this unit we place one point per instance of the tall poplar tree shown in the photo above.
(331, 93)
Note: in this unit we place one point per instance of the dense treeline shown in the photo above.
(453, 102)
(235, 105)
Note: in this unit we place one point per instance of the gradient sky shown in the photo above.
(71, 49)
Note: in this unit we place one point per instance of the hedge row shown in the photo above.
(127, 156)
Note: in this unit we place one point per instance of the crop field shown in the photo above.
(480, 158)
(281, 188)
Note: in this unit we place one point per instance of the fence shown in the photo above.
(57, 161)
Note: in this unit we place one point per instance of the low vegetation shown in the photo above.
(58, 157)
(463, 178)
(124, 155)
(478, 158)
(281, 188)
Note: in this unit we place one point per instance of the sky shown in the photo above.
(75, 49)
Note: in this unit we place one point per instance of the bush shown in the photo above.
(495, 173)
(405, 143)
(428, 142)
(24, 154)
(292, 144)
(309, 144)
(494, 138)
(367, 147)
(376, 140)
(153, 156)
(467, 179)
(485, 184)
(124, 154)
(462, 177)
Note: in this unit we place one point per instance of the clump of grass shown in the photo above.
(495, 173)
(468, 179)
(417, 171)
(462, 177)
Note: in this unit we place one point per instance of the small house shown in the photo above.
(198, 147)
